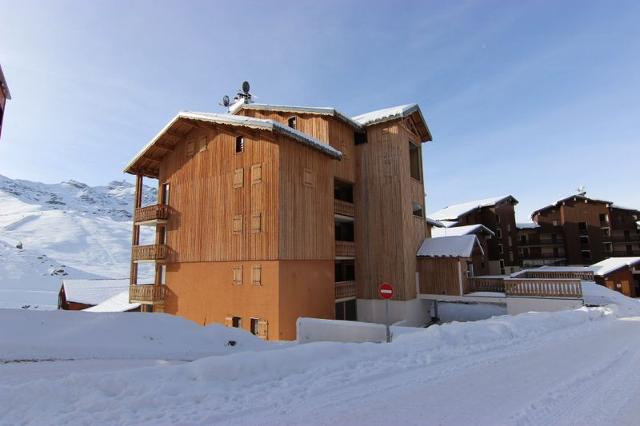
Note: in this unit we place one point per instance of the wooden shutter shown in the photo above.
(309, 179)
(263, 329)
(202, 144)
(256, 275)
(238, 178)
(190, 148)
(237, 275)
(256, 173)
(237, 224)
(256, 222)
(228, 321)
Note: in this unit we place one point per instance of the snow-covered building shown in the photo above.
(274, 212)
(4, 96)
(79, 294)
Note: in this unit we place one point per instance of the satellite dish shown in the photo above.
(225, 101)
(245, 87)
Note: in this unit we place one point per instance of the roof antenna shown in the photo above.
(225, 102)
(244, 93)
(582, 190)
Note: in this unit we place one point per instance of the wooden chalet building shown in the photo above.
(4, 96)
(269, 213)
(498, 215)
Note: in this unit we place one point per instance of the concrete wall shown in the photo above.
(519, 305)
(410, 313)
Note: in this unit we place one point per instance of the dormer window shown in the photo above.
(293, 121)
(239, 144)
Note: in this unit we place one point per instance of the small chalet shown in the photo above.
(76, 295)
(621, 274)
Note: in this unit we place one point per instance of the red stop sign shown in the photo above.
(385, 290)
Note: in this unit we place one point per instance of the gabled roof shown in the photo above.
(93, 292)
(461, 230)
(394, 113)
(117, 303)
(612, 264)
(143, 161)
(631, 209)
(455, 211)
(457, 246)
(575, 197)
(3, 85)
(296, 110)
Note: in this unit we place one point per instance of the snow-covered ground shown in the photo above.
(569, 367)
(66, 230)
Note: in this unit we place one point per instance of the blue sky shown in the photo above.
(527, 98)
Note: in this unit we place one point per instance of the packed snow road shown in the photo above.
(564, 368)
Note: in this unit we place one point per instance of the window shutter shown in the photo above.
(256, 222)
(257, 275)
(256, 173)
(238, 178)
(309, 179)
(202, 144)
(228, 321)
(237, 275)
(237, 224)
(190, 148)
(263, 329)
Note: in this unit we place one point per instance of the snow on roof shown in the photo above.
(93, 292)
(385, 114)
(3, 85)
(575, 197)
(527, 225)
(619, 207)
(434, 222)
(117, 303)
(612, 264)
(456, 246)
(460, 230)
(295, 109)
(455, 211)
(240, 121)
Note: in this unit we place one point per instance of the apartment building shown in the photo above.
(272, 212)
(498, 215)
(4, 96)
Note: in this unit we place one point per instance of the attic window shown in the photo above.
(417, 210)
(293, 121)
(239, 144)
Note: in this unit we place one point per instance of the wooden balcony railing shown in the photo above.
(345, 249)
(345, 289)
(490, 284)
(150, 253)
(533, 287)
(147, 293)
(344, 208)
(579, 275)
(155, 212)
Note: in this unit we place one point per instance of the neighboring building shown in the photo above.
(540, 245)
(77, 295)
(592, 230)
(620, 274)
(482, 233)
(497, 214)
(274, 212)
(4, 95)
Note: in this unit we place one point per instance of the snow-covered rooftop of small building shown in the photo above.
(456, 246)
(527, 225)
(453, 212)
(460, 230)
(612, 264)
(93, 292)
(117, 303)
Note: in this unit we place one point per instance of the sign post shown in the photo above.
(385, 291)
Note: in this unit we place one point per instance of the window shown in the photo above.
(344, 231)
(498, 233)
(555, 223)
(582, 226)
(237, 224)
(256, 275)
(417, 210)
(525, 252)
(254, 326)
(237, 275)
(604, 218)
(256, 222)
(293, 122)
(554, 238)
(343, 191)
(308, 178)
(239, 144)
(414, 161)
(256, 173)
(238, 178)
(162, 238)
(510, 256)
(498, 219)
(359, 138)
(584, 240)
(164, 194)
(629, 248)
(259, 327)
(627, 236)
(345, 270)
(163, 274)
(236, 322)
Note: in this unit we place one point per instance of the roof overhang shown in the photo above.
(3, 85)
(410, 111)
(146, 162)
(327, 111)
(571, 198)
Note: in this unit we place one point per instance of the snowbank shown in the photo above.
(322, 330)
(599, 295)
(46, 335)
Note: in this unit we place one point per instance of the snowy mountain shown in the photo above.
(70, 229)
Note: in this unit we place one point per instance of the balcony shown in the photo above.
(149, 253)
(345, 249)
(147, 294)
(343, 208)
(151, 215)
(345, 289)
